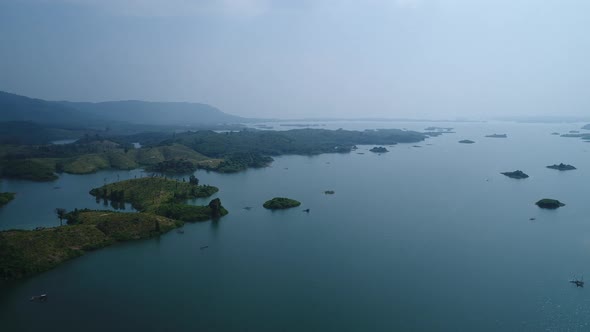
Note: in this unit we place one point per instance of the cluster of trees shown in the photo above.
(240, 161)
(174, 166)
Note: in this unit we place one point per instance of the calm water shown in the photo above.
(417, 239)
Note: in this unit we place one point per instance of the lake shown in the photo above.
(428, 238)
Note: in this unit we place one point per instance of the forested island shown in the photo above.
(497, 136)
(547, 203)
(280, 203)
(518, 174)
(159, 200)
(466, 141)
(5, 198)
(562, 167)
(379, 149)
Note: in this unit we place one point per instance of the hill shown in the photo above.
(155, 113)
(20, 108)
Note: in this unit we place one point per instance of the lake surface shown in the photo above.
(418, 239)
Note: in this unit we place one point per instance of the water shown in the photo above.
(417, 239)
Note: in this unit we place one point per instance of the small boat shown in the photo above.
(306, 210)
(204, 247)
(180, 231)
(40, 298)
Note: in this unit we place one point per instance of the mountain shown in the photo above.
(152, 113)
(20, 108)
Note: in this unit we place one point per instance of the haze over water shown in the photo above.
(418, 239)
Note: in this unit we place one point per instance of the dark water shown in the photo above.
(417, 239)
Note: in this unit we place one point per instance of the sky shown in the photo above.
(437, 59)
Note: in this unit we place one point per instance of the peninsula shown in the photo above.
(159, 200)
(562, 167)
(280, 203)
(518, 174)
(5, 198)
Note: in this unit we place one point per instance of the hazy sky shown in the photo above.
(308, 58)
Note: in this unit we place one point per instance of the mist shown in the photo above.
(438, 59)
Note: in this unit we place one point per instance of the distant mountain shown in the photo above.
(155, 113)
(20, 108)
(587, 127)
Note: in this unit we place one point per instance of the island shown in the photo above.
(379, 149)
(555, 133)
(516, 174)
(562, 167)
(161, 206)
(5, 198)
(329, 192)
(443, 129)
(466, 141)
(497, 136)
(586, 127)
(547, 203)
(280, 203)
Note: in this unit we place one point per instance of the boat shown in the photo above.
(40, 298)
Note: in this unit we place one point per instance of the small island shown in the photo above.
(555, 133)
(518, 174)
(329, 192)
(586, 127)
(562, 167)
(466, 141)
(547, 203)
(280, 203)
(5, 198)
(379, 149)
(497, 136)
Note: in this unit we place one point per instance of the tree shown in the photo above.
(61, 214)
(215, 206)
(193, 180)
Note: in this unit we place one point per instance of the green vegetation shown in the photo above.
(92, 154)
(238, 162)
(278, 203)
(24, 253)
(296, 141)
(222, 152)
(466, 141)
(5, 198)
(562, 167)
(379, 149)
(147, 194)
(160, 200)
(190, 212)
(516, 174)
(254, 148)
(547, 203)
(174, 166)
(26, 169)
